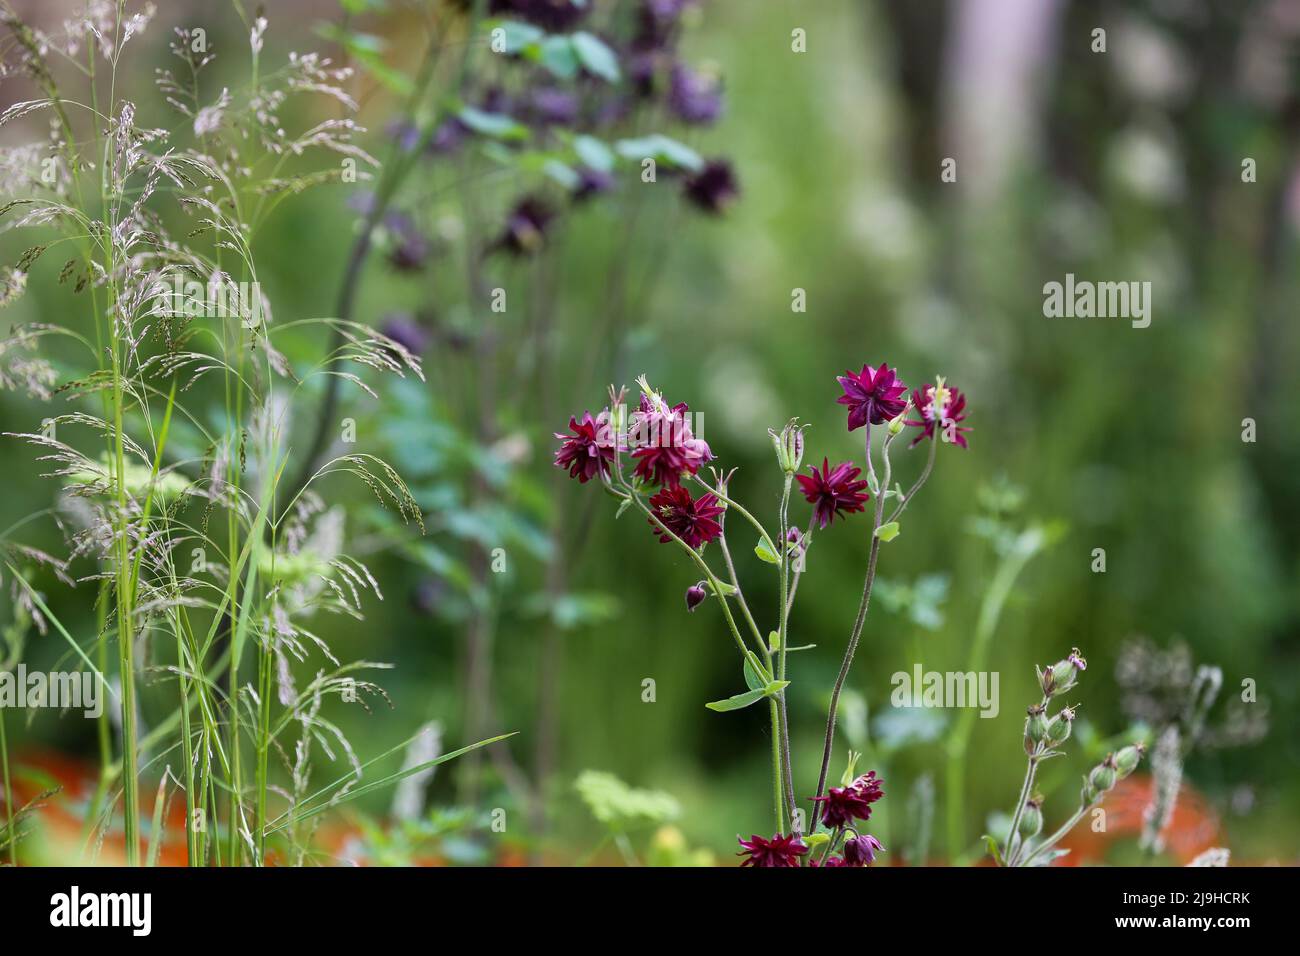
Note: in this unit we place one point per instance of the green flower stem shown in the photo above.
(1055, 838)
(856, 634)
(1025, 788)
(743, 513)
(990, 612)
(783, 632)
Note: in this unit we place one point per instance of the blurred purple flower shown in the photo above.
(551, 15)
(714, 187)
(694, 97)
(525, 227)
(407, 331)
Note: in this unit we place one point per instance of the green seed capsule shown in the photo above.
(1031, 821)
(1127, 759)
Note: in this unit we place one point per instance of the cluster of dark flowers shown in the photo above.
(548, 111)
(659, 438)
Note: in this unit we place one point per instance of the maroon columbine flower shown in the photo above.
(861, 850)
(689, 519)
(781, 850)
(588, 451)
(714, 187)
(872, 395)
(694, 97)
(845, 804)
(942, 406)
(695, 595)
(833, 491)
(665, 447)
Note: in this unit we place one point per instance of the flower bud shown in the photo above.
(1031, 820)
(1103, 775)
(1058, 728)
(695, 595)
(896, 424)
(788, 445)
(1035, 726)
(1062, 675)
(1127, 759)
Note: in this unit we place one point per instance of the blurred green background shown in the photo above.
(1115, 166)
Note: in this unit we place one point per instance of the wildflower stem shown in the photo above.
(921, 479)
(778, 798)
(1025, 788)
(1055, 838)
(858, 622)
(767, 539)
(782, 631)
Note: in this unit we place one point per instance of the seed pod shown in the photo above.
(1103, 775)
(1035, 724)
(1031, 820)
(1058, 728)
(1127, 759)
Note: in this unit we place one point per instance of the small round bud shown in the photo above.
(1063, 675)
(1103, 775)
(1058, 728)
(1128, 758)
(695, 595)
(788, 445)
(1031, 820)
(1035, 724)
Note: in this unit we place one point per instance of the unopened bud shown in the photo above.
(1031, 820)
(1058, 728)
(1035, 727)
(1127, 759)
(1062, 675)
(1103, 775)
(695, 595)
(788, 445)
(896, 424)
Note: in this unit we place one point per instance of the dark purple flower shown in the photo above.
(695, 595)
(694, 97)
(714, 187)
(943, 406)
(448, 137)
(664, 446)
(834, 491)
(589, 450)
(404, 329)
(405, 134)
(842, 805)
(591, 182)
(411, 248)
(861, 850)
(551, 15)
(657, 23)
(689, 519)
(551, 106)
(872, 395)
(525, 228)
(781, 850)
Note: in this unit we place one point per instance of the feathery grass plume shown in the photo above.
(168, 443)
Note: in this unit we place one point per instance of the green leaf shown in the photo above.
(814, 840)
(563, 174)
(994, 850)
(739, 701)
(494, 125)
(559, 56)
(622, 506)
(594, 153)
(519, 37)
(765, 553)
(596, 56)
(748, 698)
(722, 589)
(753, 679)
(888, 532)
(662, 149)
